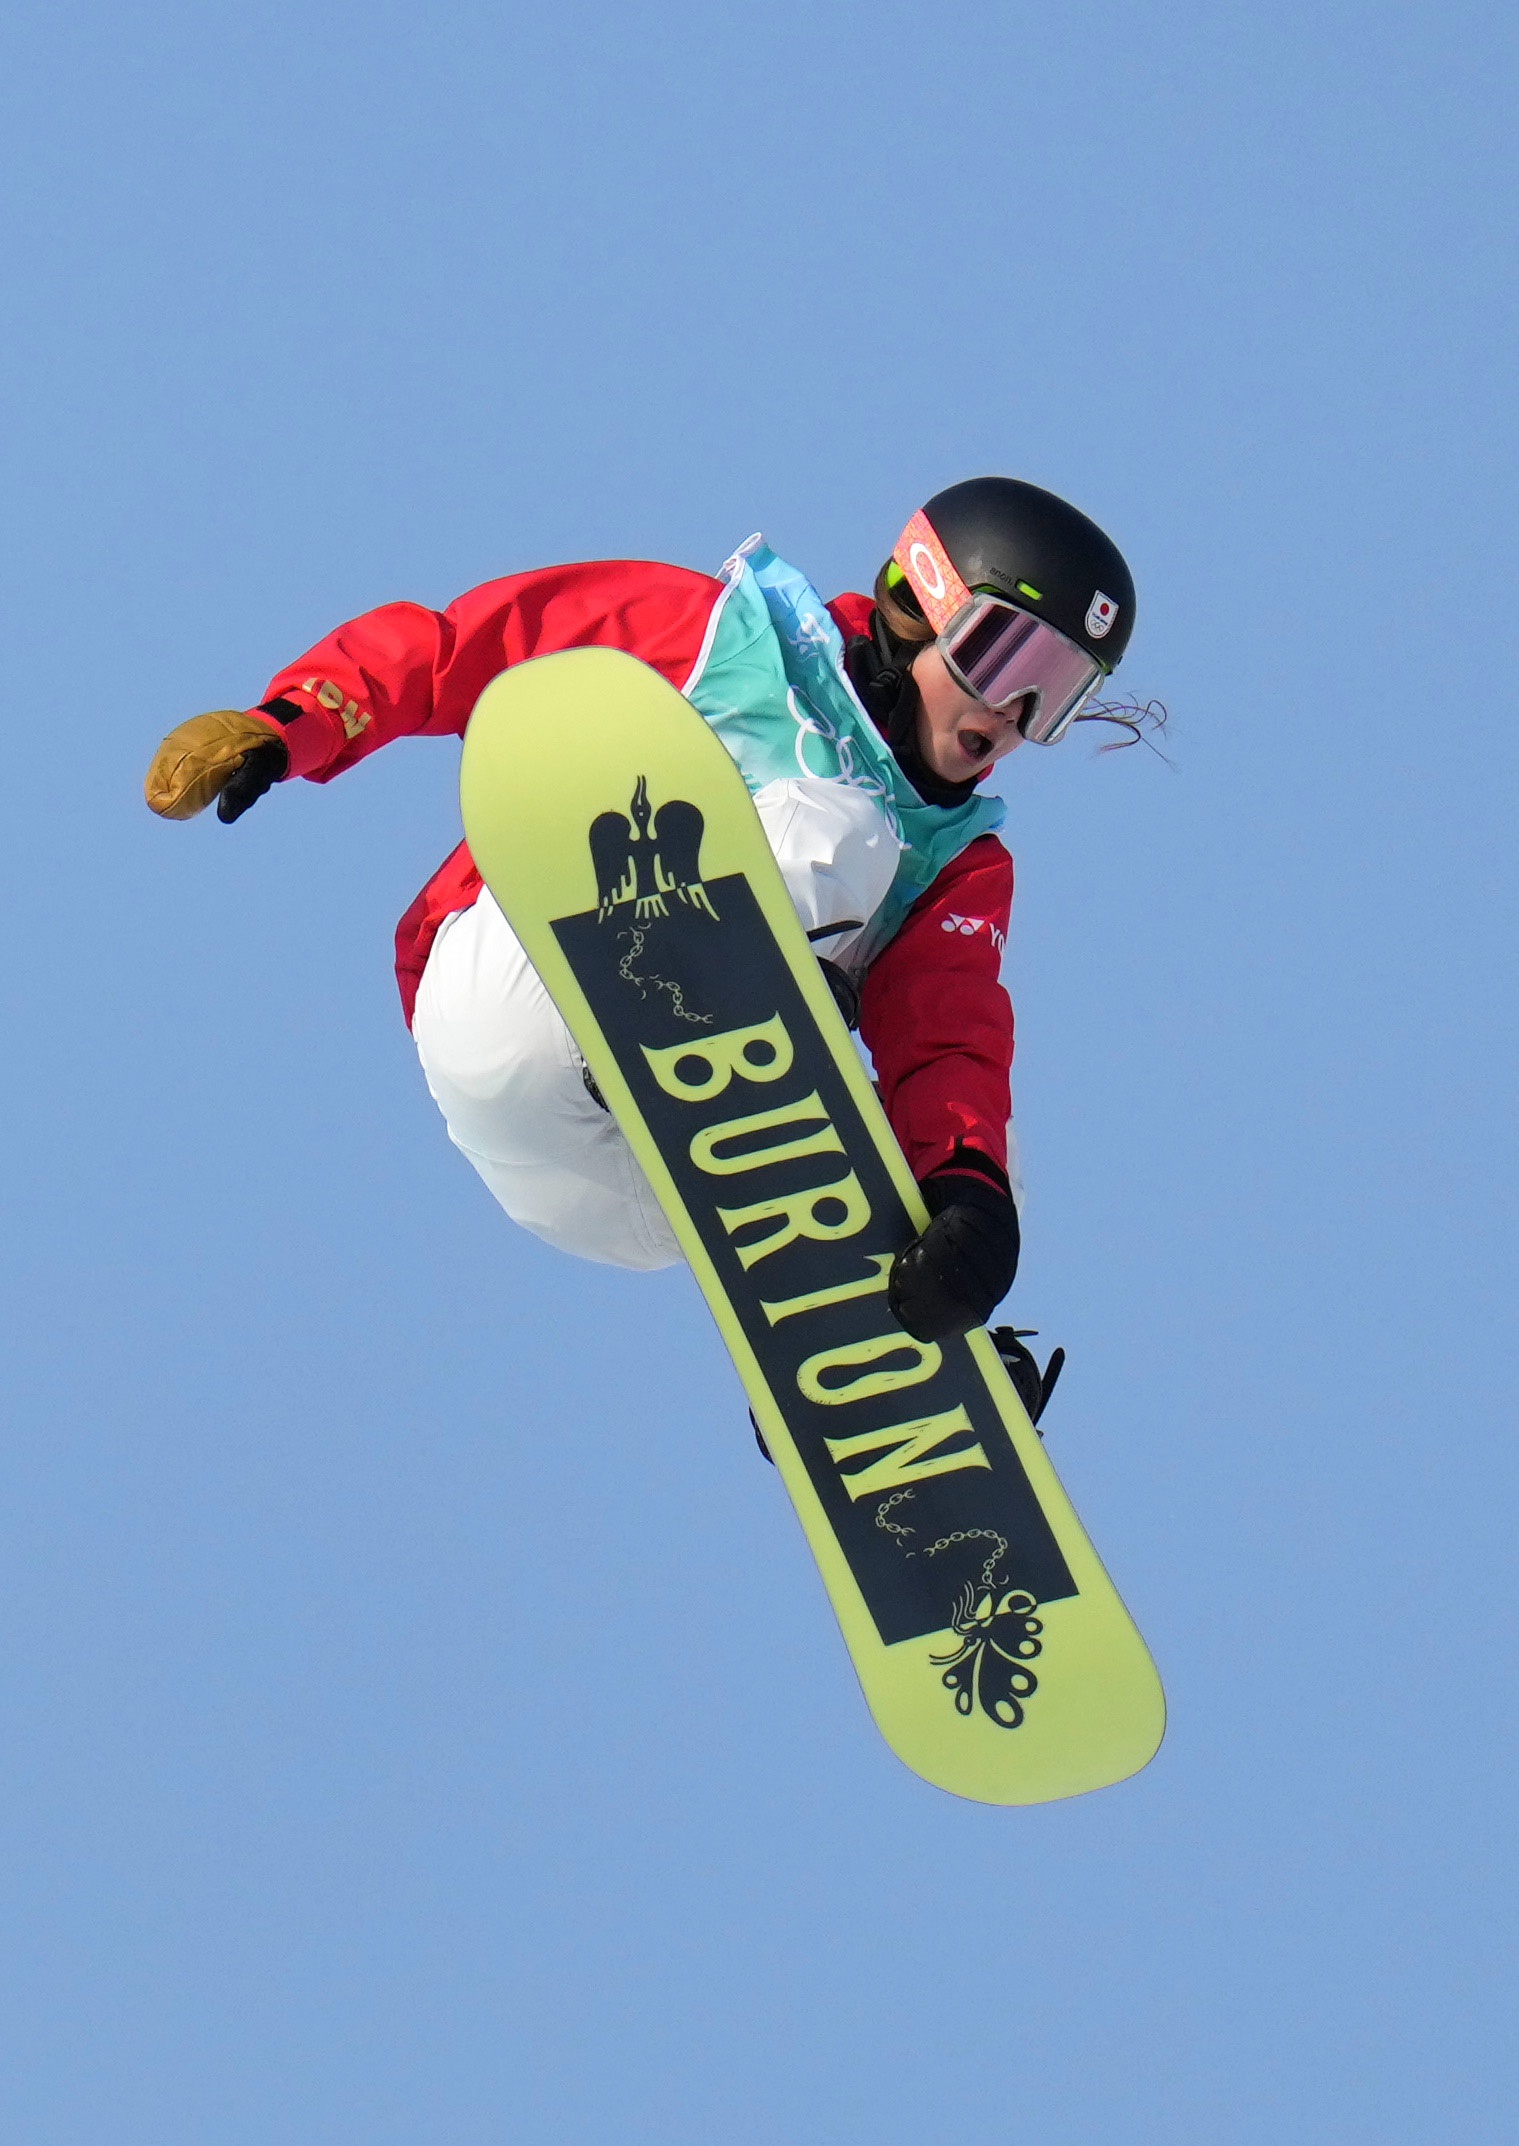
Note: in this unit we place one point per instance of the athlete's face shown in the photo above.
(958, 735)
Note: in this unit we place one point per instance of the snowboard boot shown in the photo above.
(1032, 1386)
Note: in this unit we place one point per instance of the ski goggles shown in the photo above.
(1002, 655)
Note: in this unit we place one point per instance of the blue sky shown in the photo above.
(420, 1720)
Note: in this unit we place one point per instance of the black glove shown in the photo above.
(1032, 1386)
(957, 1273)
(257, 771)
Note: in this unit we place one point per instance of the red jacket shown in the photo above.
(934, 1015)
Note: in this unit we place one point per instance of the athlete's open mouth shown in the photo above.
(975, 744)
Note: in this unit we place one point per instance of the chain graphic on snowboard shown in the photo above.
(994, 1623)
(647, 865)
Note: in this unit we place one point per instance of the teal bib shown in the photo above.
(770, 680)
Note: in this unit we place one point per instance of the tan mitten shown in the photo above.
(195, 761)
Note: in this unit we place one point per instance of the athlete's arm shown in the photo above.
(404, 671)
(940, 1029)
(939, 1025)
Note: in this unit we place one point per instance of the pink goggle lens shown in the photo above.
(1003, 655)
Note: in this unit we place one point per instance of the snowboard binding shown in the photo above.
(1032, 1386)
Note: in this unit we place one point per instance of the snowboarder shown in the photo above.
(863, 728)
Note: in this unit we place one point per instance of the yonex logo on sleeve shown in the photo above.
(969, 926)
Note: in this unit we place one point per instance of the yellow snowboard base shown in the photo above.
(621, 843)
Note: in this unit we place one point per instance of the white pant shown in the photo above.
(509, 1080)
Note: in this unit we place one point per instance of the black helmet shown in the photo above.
(1024, 544)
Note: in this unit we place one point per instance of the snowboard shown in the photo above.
(620, 841)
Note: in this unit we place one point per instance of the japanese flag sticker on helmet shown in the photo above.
(1101, 612)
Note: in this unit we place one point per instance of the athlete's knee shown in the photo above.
(613, 1223)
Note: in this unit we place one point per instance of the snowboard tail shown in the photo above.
(622, 845)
